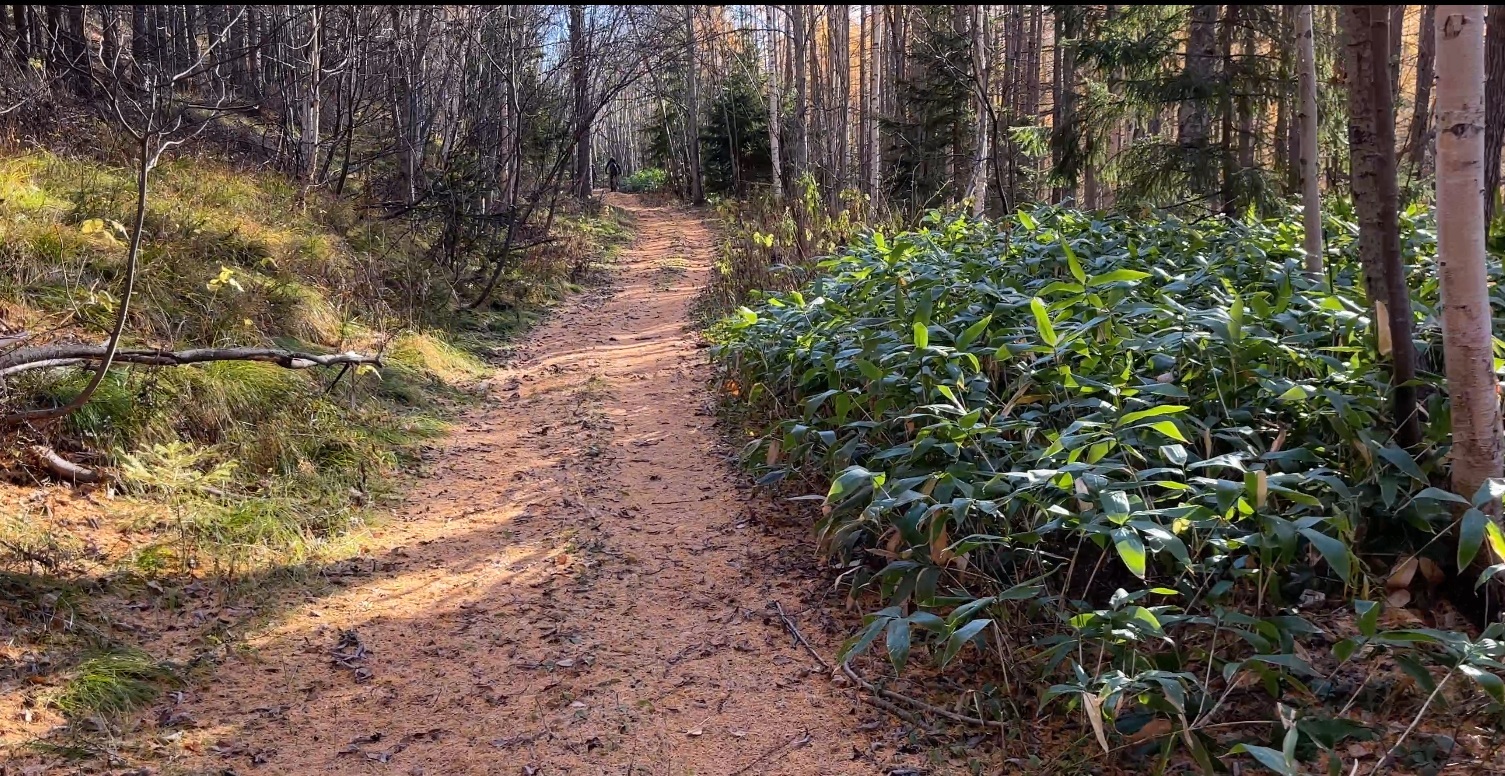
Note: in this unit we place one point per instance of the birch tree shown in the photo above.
(1467, 340)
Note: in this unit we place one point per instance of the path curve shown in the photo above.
(574, 587)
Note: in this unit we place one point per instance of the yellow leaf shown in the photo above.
(1093, 705)
(92, 225)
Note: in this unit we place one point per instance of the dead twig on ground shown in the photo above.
(61, 467)
(879, 693)
(786, 747)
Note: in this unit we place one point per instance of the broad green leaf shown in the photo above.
(1295, 393)
(1131, 548)
(1470, 536)
(869, 370)
(898, 643)
(1438, 494)
(1403, 461)
(960, 638)
(1273, 759)
(1115, 502)
(1167, 428)
(921, 335)
(1042, 321)
(1495, 537)
(1071, 262)
(1488, 681)
(1369, 616)
(1490, 492)
(859, 643)
(1117, 276)
(972, 332)
(1165, 409)
(1334, 551)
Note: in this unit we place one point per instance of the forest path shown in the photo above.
(575, 587)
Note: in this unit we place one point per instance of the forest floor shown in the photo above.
(577, 584)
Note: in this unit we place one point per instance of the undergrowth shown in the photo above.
(769, 246)
(645, 181)
(1141, 463)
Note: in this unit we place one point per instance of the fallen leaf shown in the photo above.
(1398, 598)
(1432, 572)
(1093, 705)
(1400, 576)
(1155, 728)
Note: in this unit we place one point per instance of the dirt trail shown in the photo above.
(574, 588)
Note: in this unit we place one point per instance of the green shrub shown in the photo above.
(1089, 444)
(646, 180)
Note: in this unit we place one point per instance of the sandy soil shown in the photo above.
(577, 586)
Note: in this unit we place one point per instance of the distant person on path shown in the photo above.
(613, 170)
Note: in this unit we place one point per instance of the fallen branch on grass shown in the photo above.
(61, 467)
(49, 356)
(877, 691)
(63, 355)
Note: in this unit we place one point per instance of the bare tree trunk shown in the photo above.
(1247, 140)
(1466, 336)
(1284, 108)
(1201, 55)
(1494, 108)
(880, 94)
(692, 111)
(1403, 353)
(978, 190)
(308, 137)
(841, 104)
(580, 78)
(1421, 113)
(775, 115)
(1363, 150)
(109, 33)
(801, 91)
(1311, 196)
(1225, 111)
(21, 16)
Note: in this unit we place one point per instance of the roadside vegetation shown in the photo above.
(1134, 462)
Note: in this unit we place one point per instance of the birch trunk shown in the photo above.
(978, 190)
(773, 105)
(1466, 337)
